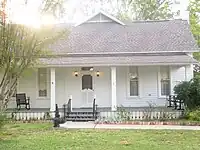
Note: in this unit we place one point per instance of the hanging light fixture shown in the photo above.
(98, 73)
(76, 73)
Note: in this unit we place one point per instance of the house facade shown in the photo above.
(116, 63)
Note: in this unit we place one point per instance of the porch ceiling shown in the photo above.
(118, 61)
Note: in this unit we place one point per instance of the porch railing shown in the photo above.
(30, 115)
(140, 115)
(175, 102)
(94, 109)
(67, 108)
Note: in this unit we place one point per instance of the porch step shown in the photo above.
(81, 116)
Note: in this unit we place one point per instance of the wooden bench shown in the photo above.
(22, 100)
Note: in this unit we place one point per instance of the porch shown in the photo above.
(128, 86)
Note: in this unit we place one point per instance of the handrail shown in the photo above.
(67, 108)
(177, 103)
(94, 109)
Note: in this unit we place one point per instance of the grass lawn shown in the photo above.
(44, 137)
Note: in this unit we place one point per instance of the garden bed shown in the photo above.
(177, 123)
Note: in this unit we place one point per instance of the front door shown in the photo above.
(87, 90)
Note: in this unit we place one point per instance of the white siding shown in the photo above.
(147, 87)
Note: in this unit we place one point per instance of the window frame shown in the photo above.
(159, 82)
(47, 84)
(128, 83)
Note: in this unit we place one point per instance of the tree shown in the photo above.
(21, 47)
(194, 9)
(144, 9)
(132, 9)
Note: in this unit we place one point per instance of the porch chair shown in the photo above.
(22, 100)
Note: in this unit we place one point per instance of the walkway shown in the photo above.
(91, 125)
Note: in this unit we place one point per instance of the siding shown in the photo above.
(147, 87)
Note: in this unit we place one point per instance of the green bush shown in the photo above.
(189, 92)
(194, 115)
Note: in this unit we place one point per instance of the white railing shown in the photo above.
(31, 115)
(140, 115)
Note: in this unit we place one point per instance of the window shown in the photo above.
(87, 82)
(133, 81)
(42, 82)
(165, 81)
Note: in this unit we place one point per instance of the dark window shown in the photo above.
(42, 82)
(133, 80)
(165, 81)
(165, 87)
(87, 82)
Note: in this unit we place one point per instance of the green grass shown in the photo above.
(44, 137)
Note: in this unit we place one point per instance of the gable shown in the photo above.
(101, 16)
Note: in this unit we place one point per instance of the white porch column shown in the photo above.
(53, 100)
(188, 72)
(113, 89)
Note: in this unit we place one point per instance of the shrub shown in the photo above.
(189, 92)
(194, 115)
(123, 115)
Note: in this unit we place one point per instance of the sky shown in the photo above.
(29, 14)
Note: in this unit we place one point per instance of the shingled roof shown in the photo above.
(113, 43)
(138, 37)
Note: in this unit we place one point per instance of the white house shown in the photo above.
(118, 63)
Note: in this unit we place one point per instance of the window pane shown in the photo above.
(165, 87)
(42, 82)
(133, 80)
(134, 88)
(165, 80)
(87, 82)
(164, 72)
(133, 72)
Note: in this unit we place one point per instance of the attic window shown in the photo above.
(87, 69)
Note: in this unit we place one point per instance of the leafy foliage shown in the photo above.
(194, 8)
(131, 9)
(193, 115)
(145, 9)
(20, 49)
(189, 92)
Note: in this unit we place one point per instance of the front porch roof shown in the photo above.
(118, 61)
